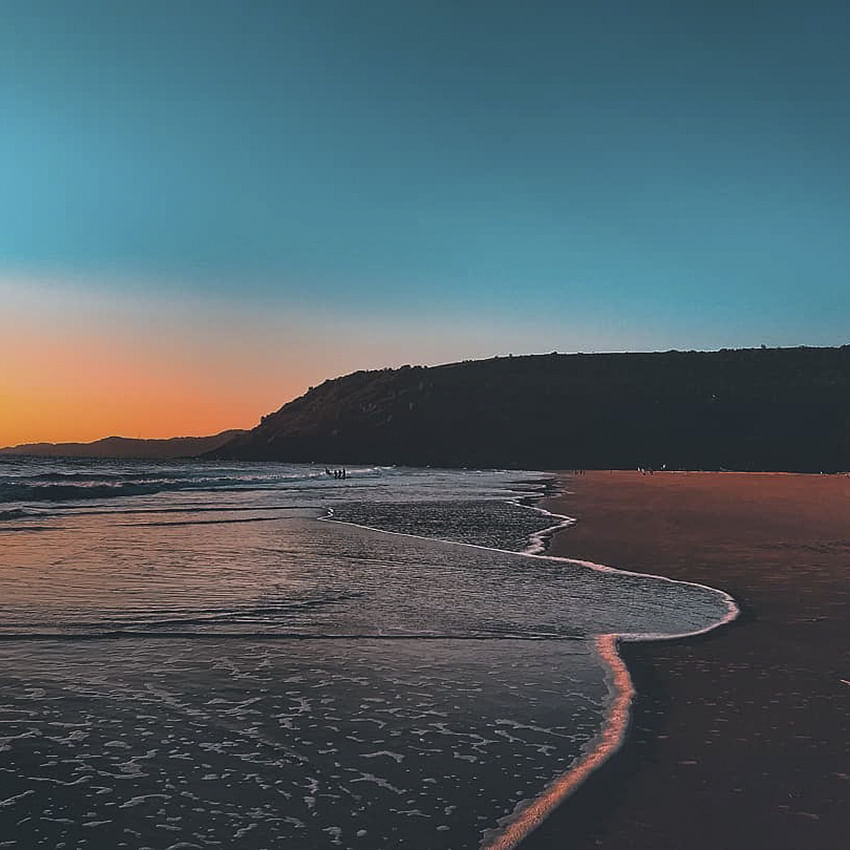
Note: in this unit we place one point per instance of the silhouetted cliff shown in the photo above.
(127, 447)
(750, 409)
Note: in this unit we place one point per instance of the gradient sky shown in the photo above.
(207, 206)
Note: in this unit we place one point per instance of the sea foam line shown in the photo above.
(527, 817)
(532, 552)
(523, 821)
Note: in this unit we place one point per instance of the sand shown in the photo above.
(739, 738)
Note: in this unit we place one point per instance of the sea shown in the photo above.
(207, 654)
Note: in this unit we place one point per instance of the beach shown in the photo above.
(738, 738)
(261, 655)
(264, 655)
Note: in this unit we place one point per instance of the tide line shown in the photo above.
(528, 817)
(525, 820)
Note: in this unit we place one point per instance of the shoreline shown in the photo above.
(523, 823)
(722, 747)
(518, 826)
(609, 648)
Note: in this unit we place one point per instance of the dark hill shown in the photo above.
(750, 409)
(127, 447)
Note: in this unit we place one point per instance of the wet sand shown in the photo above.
(739, 738)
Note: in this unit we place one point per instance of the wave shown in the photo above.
(164, 476)
(16, 513)
(529, 814)
(115, 634)
(14, 492)
(258, 623)
(74, 486)
(514, 828)
(89, 475)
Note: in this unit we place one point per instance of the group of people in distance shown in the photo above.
(337, 473)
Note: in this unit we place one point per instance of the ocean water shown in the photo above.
(261, 656)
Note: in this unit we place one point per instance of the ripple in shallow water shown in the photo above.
(420, 744)
(220, 739)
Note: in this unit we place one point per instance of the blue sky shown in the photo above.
(603, 175)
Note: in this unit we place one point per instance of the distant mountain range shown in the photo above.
(126, 447)
(747, 409)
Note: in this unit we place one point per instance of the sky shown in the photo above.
(206, 208)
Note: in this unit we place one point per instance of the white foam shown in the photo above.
(10, 801)
(512, 830)
(398, 757)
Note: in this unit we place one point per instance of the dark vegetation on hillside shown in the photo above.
(750, 409)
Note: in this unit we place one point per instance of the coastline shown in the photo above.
(515, 828)
(739, 533)
(738, 737)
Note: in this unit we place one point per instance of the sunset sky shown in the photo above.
(205, 207)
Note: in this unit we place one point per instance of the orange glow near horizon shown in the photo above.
(84, 359)
(81, 389)
(77, 366)
(80, 360)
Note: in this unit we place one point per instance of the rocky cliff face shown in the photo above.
(768, 409)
